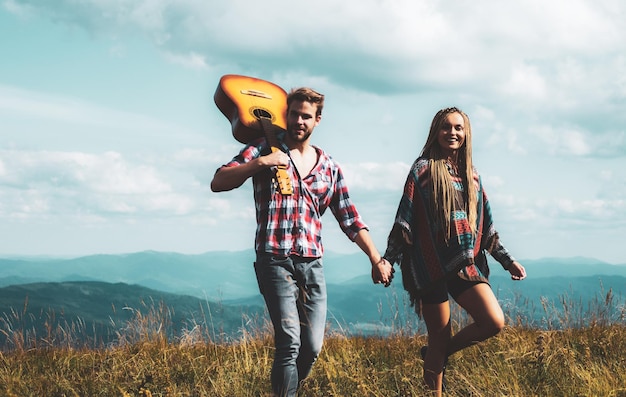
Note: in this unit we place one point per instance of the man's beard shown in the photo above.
(298, 138)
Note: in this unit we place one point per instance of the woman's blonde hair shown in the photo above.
(443, 190)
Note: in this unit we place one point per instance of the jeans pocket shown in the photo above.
(259, 276)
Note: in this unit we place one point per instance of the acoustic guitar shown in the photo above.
(255, 108)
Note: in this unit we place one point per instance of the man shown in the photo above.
(288, 238)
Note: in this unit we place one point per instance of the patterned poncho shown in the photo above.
(418, 244)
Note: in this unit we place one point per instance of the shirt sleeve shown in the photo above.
(402, 234)
(344, 209)
(395, 245)
(492, 239)
(500, 254)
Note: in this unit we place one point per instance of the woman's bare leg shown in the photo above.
(481, 304)
(437, 319)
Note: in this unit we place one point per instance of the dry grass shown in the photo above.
(518, 362)
(523, 360)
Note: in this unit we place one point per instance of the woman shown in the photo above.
(443, 228)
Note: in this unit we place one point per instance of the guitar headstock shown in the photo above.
(283, 181)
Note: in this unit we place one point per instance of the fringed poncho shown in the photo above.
(418, 244)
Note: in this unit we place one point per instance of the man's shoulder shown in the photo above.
(256, 146)
(258, 142)
(323, 155)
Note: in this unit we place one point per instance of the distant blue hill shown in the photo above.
(230, 274)
(98, 314)
(354, 302)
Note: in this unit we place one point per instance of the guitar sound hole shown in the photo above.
(261, 113)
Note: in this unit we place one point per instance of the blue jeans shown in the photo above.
(294, 290)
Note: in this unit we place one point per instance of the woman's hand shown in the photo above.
(382, 272)
(517, 271)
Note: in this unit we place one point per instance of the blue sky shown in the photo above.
(110, 136)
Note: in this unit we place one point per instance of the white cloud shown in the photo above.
(591, 213)
(526, 83)
(376, 176)
(493, 182)
(495, 132)
(562, 212)
(192, 60)
(61, 183)
(568, 139)
(529, 60)
(40, 120)
(404, 43)
(32, 104)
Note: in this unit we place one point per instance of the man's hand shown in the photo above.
(274, 159)
(228, 178)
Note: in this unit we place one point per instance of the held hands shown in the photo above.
(517, 271)
(382, 272)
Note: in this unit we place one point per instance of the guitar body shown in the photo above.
(255, 108)
(244, 100)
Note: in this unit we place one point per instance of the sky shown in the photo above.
(110, 136)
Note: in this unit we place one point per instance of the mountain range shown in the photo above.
(226, 275)
(96, 289)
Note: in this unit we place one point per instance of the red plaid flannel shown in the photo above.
(292, 225)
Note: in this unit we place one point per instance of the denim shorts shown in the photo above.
(453, 286)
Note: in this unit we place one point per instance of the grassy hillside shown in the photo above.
(519, 362)
(151, 356)
(97, 313)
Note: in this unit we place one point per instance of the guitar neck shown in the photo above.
(282, 176)
(270, 133)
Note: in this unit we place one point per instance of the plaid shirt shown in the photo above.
(292, 225)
